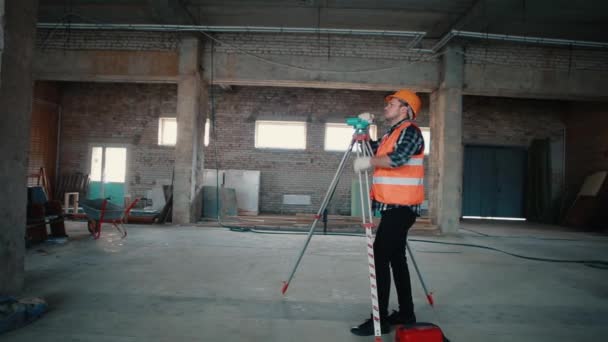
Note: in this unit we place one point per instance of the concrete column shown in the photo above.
(17, 38)
(188, 153)
(446, 146)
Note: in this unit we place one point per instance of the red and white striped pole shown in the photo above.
(372, 280)
(368, 224)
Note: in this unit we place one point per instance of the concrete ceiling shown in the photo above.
(567, 19)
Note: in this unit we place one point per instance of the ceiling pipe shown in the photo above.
(518, 39)
(252, 29)
(415, 41)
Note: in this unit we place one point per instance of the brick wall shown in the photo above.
(257, 43)
(510, 122)
(307, 172)
(128, 114)
(106, 40)
(330, 45)
(586, 143)
(377, 47)
(486, 121)
(113, 113)
(324, 45)
(535, 57)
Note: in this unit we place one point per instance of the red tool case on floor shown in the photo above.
(419, 332)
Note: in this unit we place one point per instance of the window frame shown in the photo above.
(207, 132)
(427, 144)
(257, 132)
(161, 128)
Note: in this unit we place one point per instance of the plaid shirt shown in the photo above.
(410, 142)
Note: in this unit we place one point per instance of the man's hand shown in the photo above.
(362, 164)
(369, 117)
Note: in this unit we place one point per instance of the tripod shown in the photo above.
(360, 142)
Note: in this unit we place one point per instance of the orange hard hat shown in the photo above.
(409, 97)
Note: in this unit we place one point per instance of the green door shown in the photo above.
(494, 181)
(108, 173)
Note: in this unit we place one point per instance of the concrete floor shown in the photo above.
(206, 284)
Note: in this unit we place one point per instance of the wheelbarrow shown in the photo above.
(101, 210)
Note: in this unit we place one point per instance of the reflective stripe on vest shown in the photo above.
(402, 185)
(415, 162)
(398, 181)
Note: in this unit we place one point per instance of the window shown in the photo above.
(339, 135)
(116, 164)
(167, 131)
(290, 135)
(108, 164)
(207, 130)
(426, 134)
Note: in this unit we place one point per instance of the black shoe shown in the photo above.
(399, 318)
(367, 328)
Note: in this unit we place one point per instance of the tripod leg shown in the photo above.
(324, 204)
(369, 153)
(429, 295)
(362, 193)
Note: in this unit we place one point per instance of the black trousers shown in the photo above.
(389, 250)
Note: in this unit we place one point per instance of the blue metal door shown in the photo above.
(494, 181)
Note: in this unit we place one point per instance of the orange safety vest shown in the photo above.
(400, 185)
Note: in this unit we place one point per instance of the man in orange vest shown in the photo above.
(397, 191)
